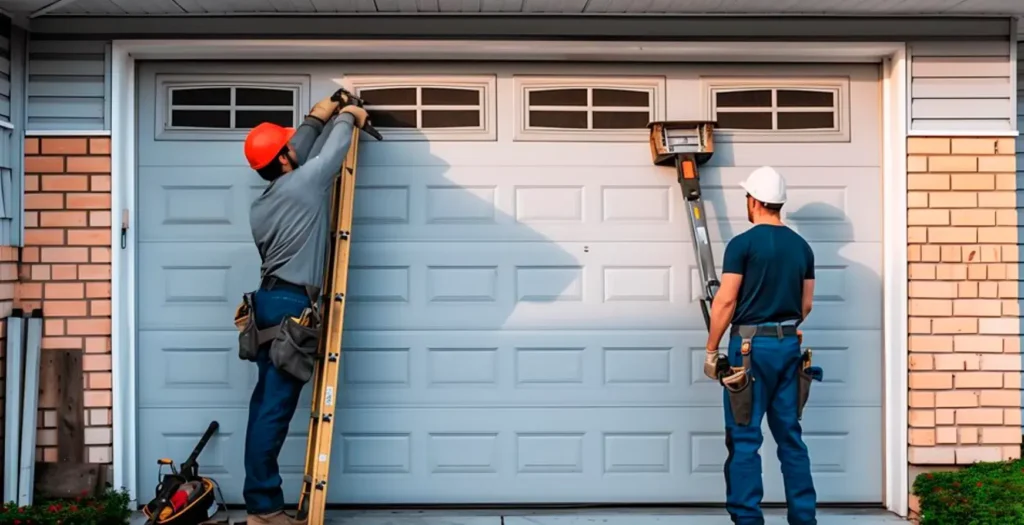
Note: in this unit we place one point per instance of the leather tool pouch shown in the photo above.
(248, 334)
(741, 400)
(741, 396)
(294, 349)
(804, 389)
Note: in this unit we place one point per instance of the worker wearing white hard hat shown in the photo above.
(766, 290)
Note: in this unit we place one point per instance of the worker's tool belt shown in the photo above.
(804, 382)
(293, 343)
(747, 333)
(770, 330)
(739, 382)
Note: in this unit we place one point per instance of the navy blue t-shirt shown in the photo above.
(774, 261)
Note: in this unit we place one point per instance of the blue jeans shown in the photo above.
(774, 365)
(271, 407)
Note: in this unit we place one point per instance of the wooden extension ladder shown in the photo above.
(313, 497)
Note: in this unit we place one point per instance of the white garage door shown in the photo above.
(522, 325)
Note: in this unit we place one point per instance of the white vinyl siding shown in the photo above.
(961, 86)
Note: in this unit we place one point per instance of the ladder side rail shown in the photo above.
(327, 307)
(328, 365)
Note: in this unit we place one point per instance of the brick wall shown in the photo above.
(964, 342)
(65, 269)
(8, 282)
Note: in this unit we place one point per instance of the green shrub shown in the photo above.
(980, 494)
(110, 508)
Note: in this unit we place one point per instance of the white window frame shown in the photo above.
(839, 86)
(165, 84)
(485, 84)
(655, 86)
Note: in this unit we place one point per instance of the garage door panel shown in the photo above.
(640, 203)
(496, 153)
(173, 433)
(469, 286)
(561, 368)
(194, 286)
(512, 455)
(193, 369)
(505, 368)
(472, 286)
(204, 203)
(845, 447)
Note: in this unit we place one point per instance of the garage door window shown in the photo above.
(587, 109)
(779, 111)
(230, 107)
(430, 108)
(223, 107)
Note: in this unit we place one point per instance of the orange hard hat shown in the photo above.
(264, 142)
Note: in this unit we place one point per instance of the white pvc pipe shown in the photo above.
(33, 349)
(12, 415)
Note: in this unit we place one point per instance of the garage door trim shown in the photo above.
(895, 86)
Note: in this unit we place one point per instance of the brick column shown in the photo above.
(66, 270)
(965, 362)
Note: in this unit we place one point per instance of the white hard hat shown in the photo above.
(766, 185)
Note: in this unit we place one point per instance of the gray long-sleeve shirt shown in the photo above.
(289, 220)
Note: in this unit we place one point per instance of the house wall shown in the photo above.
(65, 270)
(965, 362)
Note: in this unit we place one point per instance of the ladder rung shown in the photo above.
(322, 417)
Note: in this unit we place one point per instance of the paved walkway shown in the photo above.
(675, 516)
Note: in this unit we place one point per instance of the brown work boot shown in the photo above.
(274, 518)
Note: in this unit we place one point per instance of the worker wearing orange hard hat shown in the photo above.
(289, 223)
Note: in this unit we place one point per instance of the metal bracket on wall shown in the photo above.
(124, 228)
(30, 405)
(12, 428)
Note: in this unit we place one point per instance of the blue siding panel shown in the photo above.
(5, 76)
(68, 84)
(12, 132)
(961, 86)
(15, 234)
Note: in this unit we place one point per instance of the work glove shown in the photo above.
(358, 113)
(324, 109)
(711, 365)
